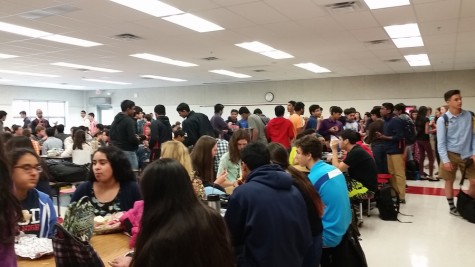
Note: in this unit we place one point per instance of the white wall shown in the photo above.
(361, 92)
(75, 101)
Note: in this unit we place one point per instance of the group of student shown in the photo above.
(284, 211)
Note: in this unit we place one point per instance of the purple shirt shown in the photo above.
(218, 123)
(326, 124)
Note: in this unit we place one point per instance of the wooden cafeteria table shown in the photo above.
(108, 247)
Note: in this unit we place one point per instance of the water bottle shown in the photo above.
(214, 202)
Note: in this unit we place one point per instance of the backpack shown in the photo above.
(409, 131)
(388, 208)
(388, 205)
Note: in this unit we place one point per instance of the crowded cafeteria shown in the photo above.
(247, 133)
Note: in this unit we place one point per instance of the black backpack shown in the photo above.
(388, 208)
(409, 131)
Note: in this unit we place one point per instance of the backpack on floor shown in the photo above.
(465, 203)
(388, 208)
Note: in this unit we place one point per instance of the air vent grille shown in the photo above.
(210, 58)
(343, 7)
(50, 11)
(393, 60)
(127, 37)
(377, 42)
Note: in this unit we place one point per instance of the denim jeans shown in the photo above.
(132, 157)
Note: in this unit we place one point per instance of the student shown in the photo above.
(230, 162)
(179, 135)
(9, 216)
(202, 159)
(456, 143)
(423, 143)
(177, 228)
(111, 186)
(39, 215)
(80, 151)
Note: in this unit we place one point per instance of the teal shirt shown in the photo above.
(234, 169)
(334, 193)
(459, 137)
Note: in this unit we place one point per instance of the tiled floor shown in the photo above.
(433, 239)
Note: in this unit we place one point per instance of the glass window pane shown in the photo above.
(55, 121)
(56, 109)
(19, 105)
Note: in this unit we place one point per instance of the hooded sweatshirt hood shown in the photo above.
(271, 175)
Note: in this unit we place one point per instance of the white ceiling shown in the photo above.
(304, 28)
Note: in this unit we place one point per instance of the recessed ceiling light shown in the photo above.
(418, 60)
(230, 73)
(105, 81)
(163, 78)
(408, 42)
(77, 66)
(7, 27)
(312, 67)
(164, 60)
(377, 4)
(7, 56)
(70, 40)
(58, 85)
(401, 31)
(28, 73)
(265, 50)
(151, 7)
(193, 22)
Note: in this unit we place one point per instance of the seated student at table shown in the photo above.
(112, 186)
(39, 215)
(178, 229)
(359, 163)
(230, 162)
(80, 151)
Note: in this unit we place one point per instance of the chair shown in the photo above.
(383, 178)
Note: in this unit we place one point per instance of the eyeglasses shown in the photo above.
(29, 168)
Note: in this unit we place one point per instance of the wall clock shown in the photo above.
(269, 97)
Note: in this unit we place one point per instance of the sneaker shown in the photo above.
(455, 212)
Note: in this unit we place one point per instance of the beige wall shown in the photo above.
(361, 92)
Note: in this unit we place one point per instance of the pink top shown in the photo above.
(7, 255)
(134, 216)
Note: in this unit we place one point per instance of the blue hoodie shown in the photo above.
(43, 213)
(267, 219)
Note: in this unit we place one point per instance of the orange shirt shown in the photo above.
(296, 121)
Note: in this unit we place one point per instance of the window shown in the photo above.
(53, 111)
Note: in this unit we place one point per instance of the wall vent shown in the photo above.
(377, 42)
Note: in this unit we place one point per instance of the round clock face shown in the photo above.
(269, 97)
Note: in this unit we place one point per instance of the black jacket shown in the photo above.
(160, 131)
(195, 126)
(122, 133)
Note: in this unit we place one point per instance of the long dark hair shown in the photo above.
(279, 155)
(121, 168)
(202, 160)
(10, 207)
(234, 153)
(177, 229)
(79, 139)
(18, 142)
(421, 119)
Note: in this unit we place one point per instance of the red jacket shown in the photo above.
(280, 130)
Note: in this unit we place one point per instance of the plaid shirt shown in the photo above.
(222, 148)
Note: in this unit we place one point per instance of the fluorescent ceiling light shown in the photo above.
(265, 50)
(164, 60)
(418, 60)
(312, 67)
(377, 4)
(408, 42)
(151, 7)
(77, 66)
(59, 85)
(401, 31)
(193, 22)
(7, 27)
(230, 73)
(104, 81)
(7, 56)
(163, 78)
(277, 54)
(4, 80)
(28, 73)
(70, 40)
(255, 46)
